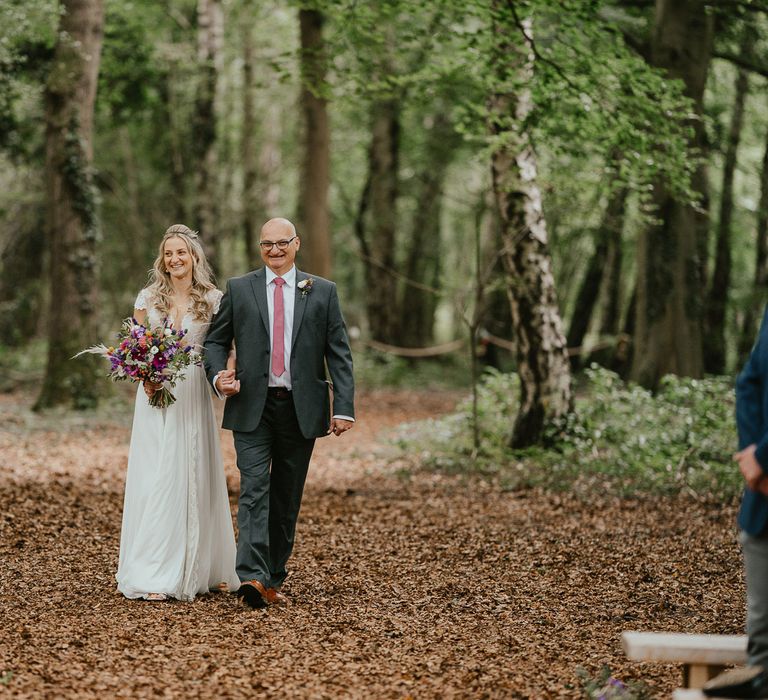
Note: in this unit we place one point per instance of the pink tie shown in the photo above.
(278, 330)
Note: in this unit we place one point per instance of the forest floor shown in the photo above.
(404, 584)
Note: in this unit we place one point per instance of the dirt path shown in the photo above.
(421, 586)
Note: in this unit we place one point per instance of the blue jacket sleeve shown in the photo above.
(750, 389)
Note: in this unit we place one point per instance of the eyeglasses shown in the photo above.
(266, 246)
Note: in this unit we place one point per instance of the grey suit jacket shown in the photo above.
(319, 340)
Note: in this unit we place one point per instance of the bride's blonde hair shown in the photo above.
(160, 287)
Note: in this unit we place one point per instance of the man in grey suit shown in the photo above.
(287, 327)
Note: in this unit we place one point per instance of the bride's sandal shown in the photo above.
(156, 596)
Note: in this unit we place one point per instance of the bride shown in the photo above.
(177, 538)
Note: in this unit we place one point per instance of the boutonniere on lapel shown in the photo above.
(305, 286)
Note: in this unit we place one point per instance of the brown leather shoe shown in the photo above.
(253, 594)
(274, 597)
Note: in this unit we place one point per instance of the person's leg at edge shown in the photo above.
(755, 551)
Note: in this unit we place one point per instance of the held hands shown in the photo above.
(339, 426)
(751, 469)
(227, 384)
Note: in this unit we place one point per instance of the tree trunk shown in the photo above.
(759, 294)
(612, 353)
(178, 175)
(495, 317)
(586, 299)
(209, 33)
(313, 217)
(714, 338)
(142, 238)
(270, 161)
(250, 166)
(72, 225)
(260, 183)
(603, 274)
(422, 269)
(380, 198)
(624, 353)
(611, 317)
(542, 359)
(669, 309)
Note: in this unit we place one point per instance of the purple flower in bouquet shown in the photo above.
(154, 355)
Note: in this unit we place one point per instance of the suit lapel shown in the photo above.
(299, 304)
(259, 287)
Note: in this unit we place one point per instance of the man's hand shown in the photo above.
(339, 426)
(227, 384)
(749, 466)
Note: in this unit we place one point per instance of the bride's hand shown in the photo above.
(150, 388)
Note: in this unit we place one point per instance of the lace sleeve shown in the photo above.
(214, 297)
(142, 301)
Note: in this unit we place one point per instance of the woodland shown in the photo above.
(548, 224)
(563, 181)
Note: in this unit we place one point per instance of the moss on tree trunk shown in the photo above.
(71, 204)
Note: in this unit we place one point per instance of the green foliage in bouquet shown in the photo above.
(156, 355)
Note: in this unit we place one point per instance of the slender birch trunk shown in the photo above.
(542, 359)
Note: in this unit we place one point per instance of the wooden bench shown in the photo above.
(691, 694)
(703, 655)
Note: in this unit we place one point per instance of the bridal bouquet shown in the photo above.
(156, 355)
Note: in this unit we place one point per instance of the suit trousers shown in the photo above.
(756, 569)
(273, 461)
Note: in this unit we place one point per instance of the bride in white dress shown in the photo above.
(177, 539)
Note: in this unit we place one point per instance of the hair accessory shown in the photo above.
(181, 228)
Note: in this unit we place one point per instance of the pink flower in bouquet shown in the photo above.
(152, 355)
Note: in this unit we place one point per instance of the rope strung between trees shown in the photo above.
(619, 341)
(454, 345)
(434, 351)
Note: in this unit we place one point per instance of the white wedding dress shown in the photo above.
(177, 536)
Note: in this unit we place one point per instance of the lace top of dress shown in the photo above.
(196, 329)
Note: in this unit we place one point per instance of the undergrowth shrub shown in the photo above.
(620, 437)
(379, 370)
